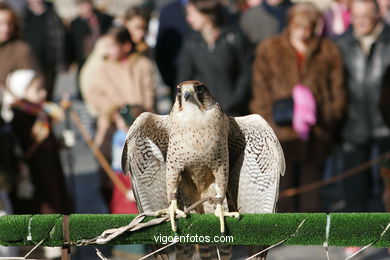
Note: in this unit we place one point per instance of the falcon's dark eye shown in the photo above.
(200, 89)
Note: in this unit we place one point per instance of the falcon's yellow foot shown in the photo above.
(219, 212)
(173, 213)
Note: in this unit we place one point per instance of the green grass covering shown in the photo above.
(354, 229)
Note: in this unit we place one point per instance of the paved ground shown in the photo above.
(84, 187)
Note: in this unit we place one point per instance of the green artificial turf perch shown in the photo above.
(345, 229)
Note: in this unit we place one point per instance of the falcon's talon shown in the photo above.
(219, 212)
(173, 212)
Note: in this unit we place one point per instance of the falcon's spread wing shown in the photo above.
(256, 163)
(143, 157)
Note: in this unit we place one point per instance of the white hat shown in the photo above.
(17, 83)
(19, 80)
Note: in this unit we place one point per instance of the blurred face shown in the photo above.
(6, 26)
(384, 6)
(35, 93)
(35, 2)
(300, 29)
(364, 18)
(253, 3)
(116, 51)
(274, 2)
(196, 19)
(85, 10)
(137, 28)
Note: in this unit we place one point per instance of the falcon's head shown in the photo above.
(196, 93)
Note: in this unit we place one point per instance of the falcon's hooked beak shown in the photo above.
(188, 94)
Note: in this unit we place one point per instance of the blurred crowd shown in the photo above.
(320, 78)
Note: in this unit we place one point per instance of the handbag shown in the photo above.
(283, 111)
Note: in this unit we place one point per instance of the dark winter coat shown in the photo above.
(171, 33)
(45, 34)
(45, 168)
(225, 69)
(279, 12)
(384, 102)
(365, 76)
(80, 30)
(8, 158)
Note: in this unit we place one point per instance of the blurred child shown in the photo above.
(123, 118)
(32, 125)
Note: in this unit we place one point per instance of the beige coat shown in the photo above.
(107, 85)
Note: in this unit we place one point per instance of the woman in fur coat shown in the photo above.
(284, 65)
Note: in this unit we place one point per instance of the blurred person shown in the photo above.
(8, 172)
(118, 76)
(44, 32)
(172, 30)
(278, 9)
(17, 5)
(337, 18)
(160, 4)
(336, 21)
(136, 22)
(127, 73)
(94, 60)
(216, 54)
(384, 6)
(85, 30)
(32, 125)
(123, 117)
(14, 53)
(264, 20)
(290, 67)
(365, 52)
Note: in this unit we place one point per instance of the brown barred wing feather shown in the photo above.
(144, 157)
(256, 163)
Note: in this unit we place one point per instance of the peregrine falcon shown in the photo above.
(198, 151)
